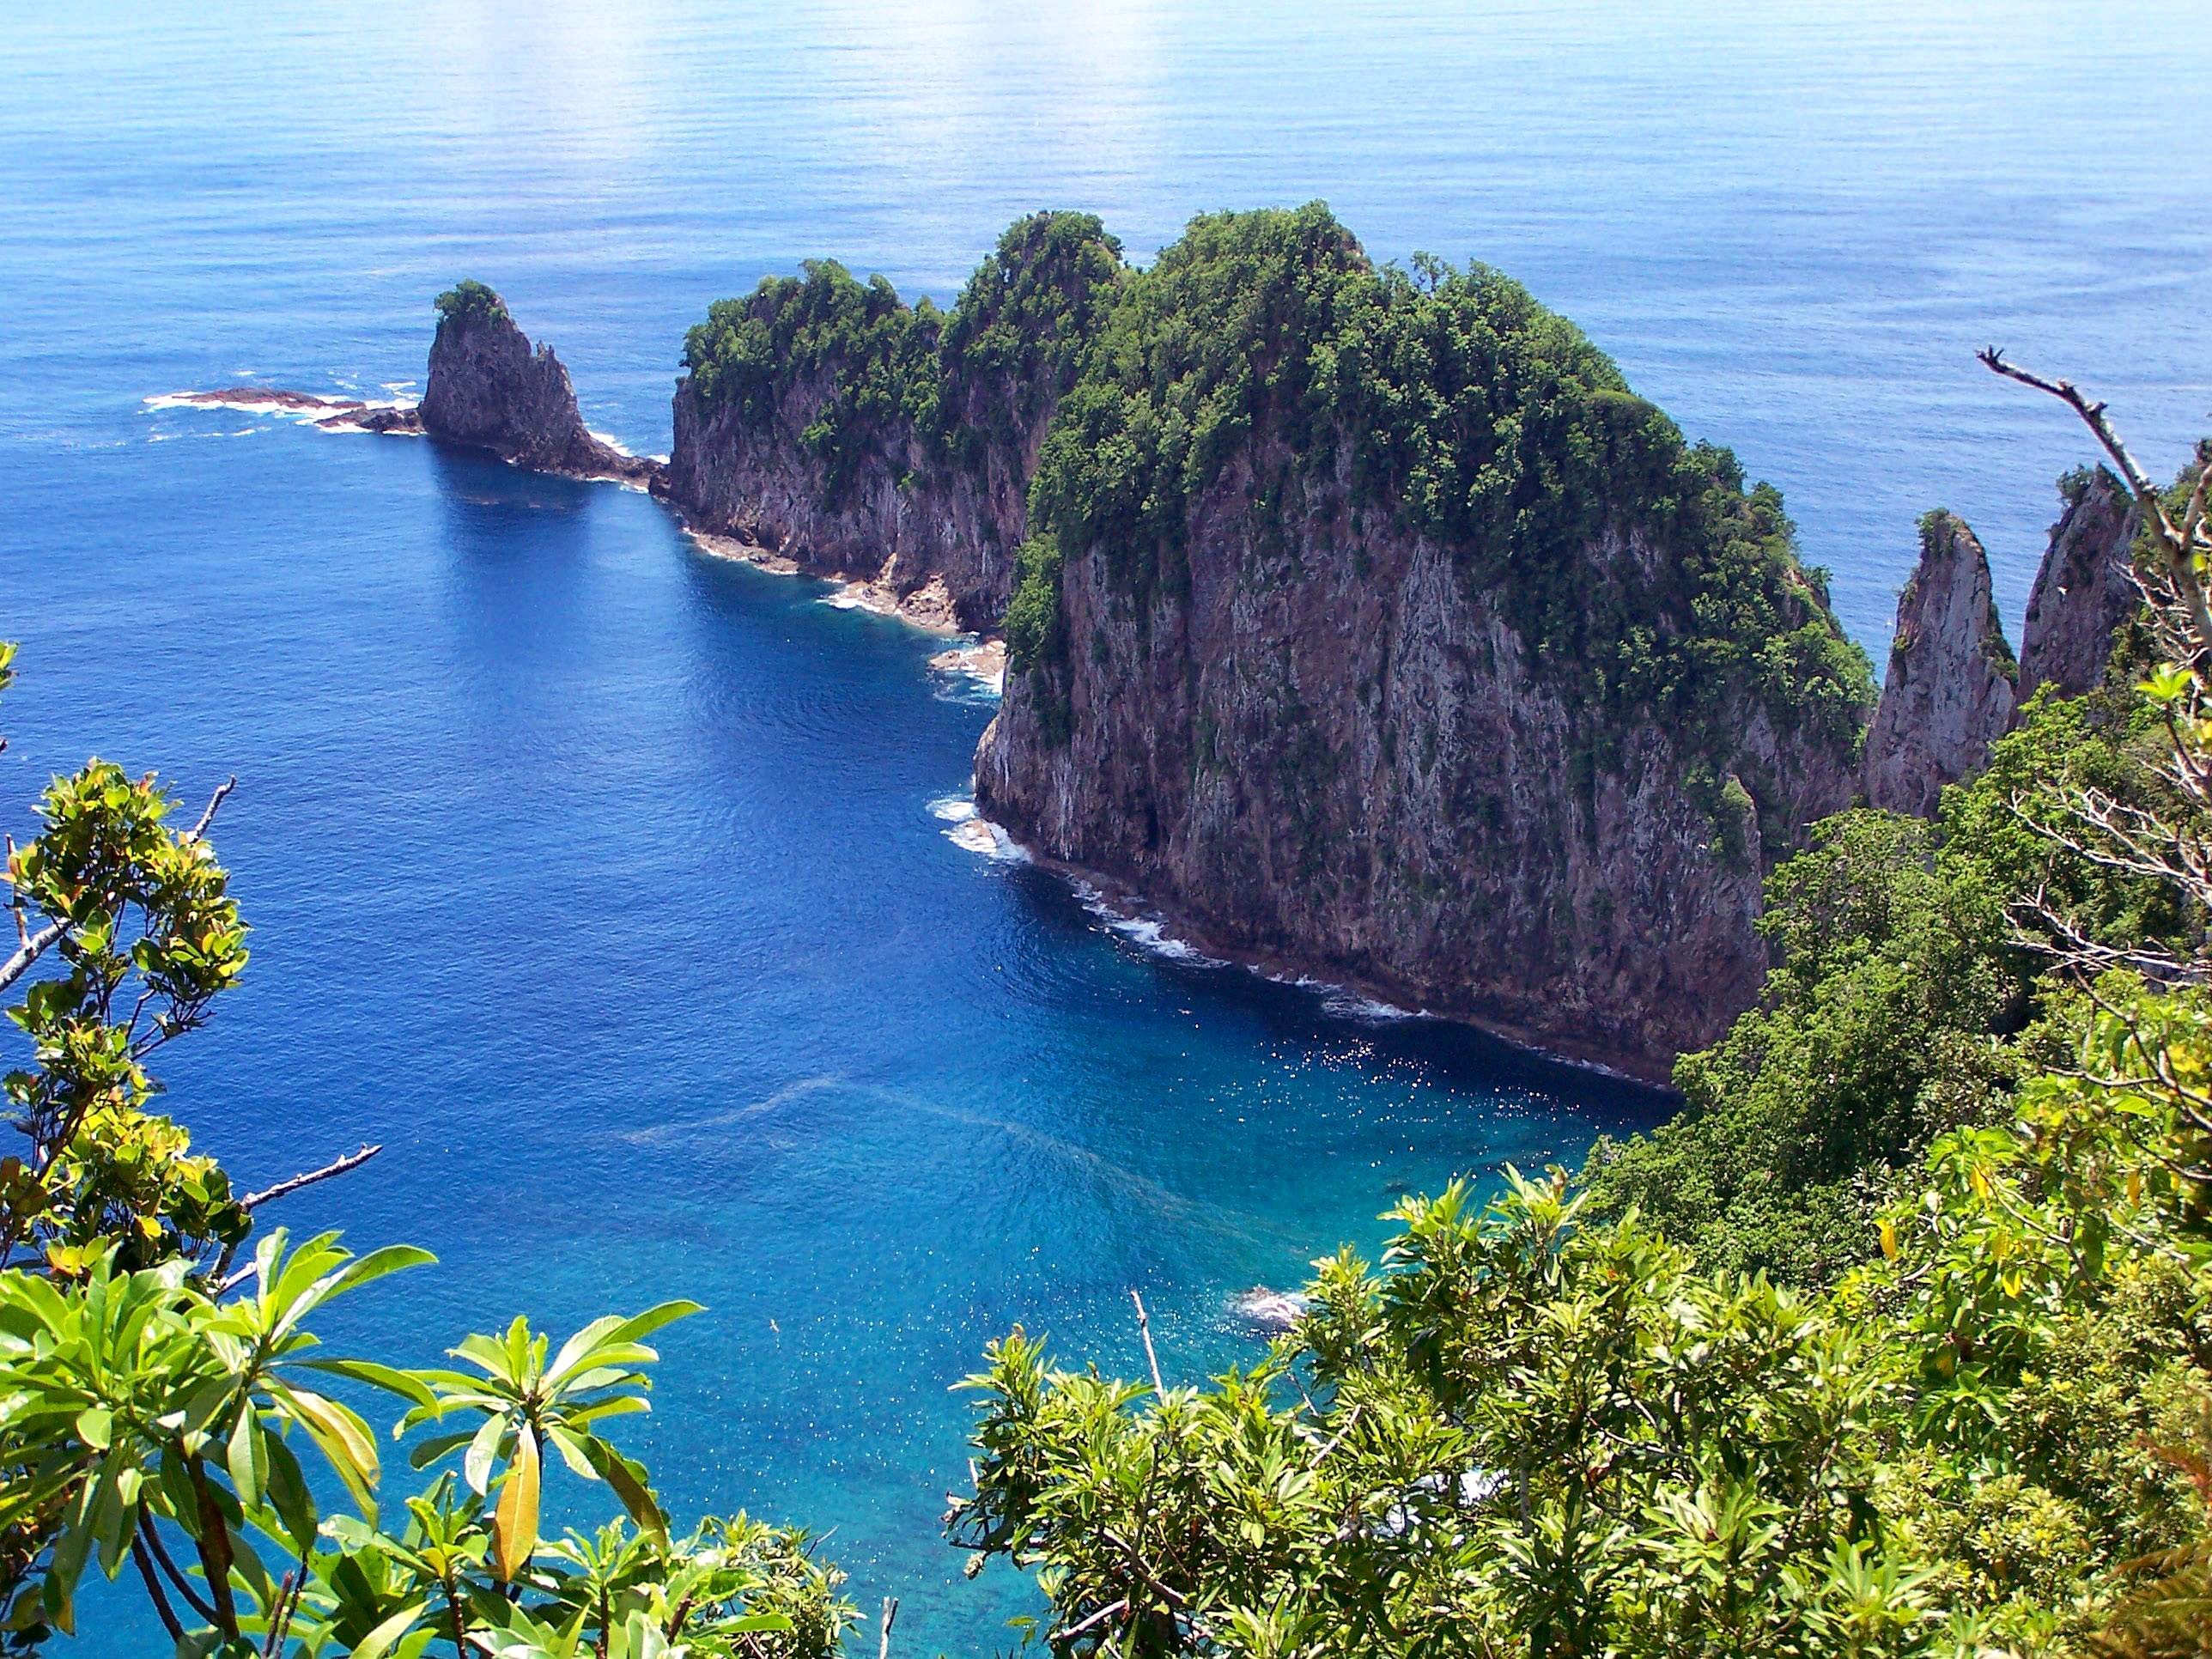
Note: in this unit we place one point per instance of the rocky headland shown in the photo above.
(1359, 621)
(1371, 621)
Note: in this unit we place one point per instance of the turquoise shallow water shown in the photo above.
(601, 882)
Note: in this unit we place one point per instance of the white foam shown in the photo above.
(1274, 1310)
(1344, 1003)
(981, 662)
(1147, 934)
(308, 413)
(1349, 1005)
(968, 830)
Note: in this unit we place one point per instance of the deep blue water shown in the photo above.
(599, 880)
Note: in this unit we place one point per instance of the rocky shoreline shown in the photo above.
(331, 414)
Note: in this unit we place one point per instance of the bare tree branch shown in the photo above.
(2178, 544)
(1145, 1330)
(336, 1167)
(221, 794)
(1098, 1617)
(890, 1612)
(28, 952)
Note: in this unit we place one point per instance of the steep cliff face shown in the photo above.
(826, 420)
(2084, 589)
(1370, 622)
(1949, 693)
(488, 390)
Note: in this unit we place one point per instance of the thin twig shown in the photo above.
(1351, 1418)
(890, 1612)
(207, 817)
(1145, 1330)
(284, 1188)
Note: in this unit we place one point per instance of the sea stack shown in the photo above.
(2085, 590)
(490, 390)
(1949, 691)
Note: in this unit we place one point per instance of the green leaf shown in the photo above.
(243, 1457)
(340, 1436)
(391, 1378)
(379, 1641)
(516, 1535)
(628, 1482)
(483, 1447)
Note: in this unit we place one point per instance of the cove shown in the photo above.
(599, 880)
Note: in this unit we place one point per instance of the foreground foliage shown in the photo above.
(164, 1417)
(1899, 1342)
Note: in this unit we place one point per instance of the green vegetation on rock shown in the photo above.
(879, 375)
(1471, 415)
(470, 301)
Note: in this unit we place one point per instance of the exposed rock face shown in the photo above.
(829, 422)
(1948, 694)
(1337, 755)
(488, 390)
(2084, 590)
(905, 521)
(1364, 622)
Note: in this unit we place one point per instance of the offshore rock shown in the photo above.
(1949, 691)
(489, 389)
(2084, 591)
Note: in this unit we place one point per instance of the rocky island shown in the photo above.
(490, 389)
(1362, 622)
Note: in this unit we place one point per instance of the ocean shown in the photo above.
(611, 887)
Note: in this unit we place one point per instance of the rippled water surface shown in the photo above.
(609, 886)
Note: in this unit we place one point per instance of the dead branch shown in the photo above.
(890, 1612)
(1145, 1330)
(336, 1167)
(2179, 545)
(221, 794)
(36, 946)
